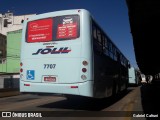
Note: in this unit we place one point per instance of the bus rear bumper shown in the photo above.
(82, 89)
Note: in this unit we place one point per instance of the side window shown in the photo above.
(110, 46)
(114, 53)
(122, 59)
(104, 42)
(94, 32)
(118, 56)
(0, 53)
(105, 46)
(5, 23)
(99, 36)
(97, 39)
(110, 49)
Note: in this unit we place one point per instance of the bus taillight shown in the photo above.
(83, 77)
(84, 70)
(21, 64)
(21, 70)
(85, 63)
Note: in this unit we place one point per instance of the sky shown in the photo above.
(111, 15)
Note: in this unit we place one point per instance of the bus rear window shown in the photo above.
(40, 30)
(53, 29)
(68, 27)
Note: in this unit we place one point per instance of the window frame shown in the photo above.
(55, 29)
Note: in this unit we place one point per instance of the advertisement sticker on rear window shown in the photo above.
(51, 29)
(67, 27)
(40, 30)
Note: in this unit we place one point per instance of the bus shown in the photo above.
(143, 79)
(134, 76)
(66, 52)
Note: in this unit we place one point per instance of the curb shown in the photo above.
(9, 92)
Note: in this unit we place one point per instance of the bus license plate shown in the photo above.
(49, 79)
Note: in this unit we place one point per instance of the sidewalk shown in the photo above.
(9, 92)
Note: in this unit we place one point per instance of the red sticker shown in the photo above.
(40, 30)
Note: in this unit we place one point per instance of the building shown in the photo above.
(9, 22)
(3, 44)
(10, 39)
(13, 53)
(10, 36)
(9, 71)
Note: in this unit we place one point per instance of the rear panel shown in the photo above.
(53, 52)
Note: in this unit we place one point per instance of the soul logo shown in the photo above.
(52, 51)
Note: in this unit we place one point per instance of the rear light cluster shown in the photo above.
(84, 70)
(85, 63)
(21, 69)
